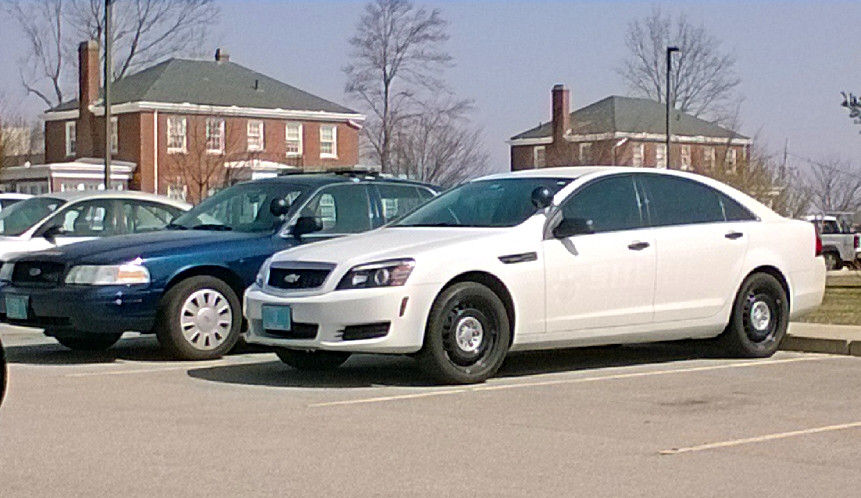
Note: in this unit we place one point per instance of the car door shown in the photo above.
(701, 236)
(86, 220)
(604, 278)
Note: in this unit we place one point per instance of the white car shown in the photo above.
(61, 218)
(548, 258)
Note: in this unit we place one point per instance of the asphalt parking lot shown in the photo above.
(660, 420)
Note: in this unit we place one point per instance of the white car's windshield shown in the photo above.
(18, 218)
(484, 203)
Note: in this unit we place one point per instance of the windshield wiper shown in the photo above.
(175, 226)
(441, 224)
(213, 227)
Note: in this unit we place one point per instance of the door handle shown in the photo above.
(734, 235)
(638, 246)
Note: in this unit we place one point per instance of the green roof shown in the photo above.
(631, 115)
(180, 81)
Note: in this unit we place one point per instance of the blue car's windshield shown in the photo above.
(485, 203)
(18, 218)
(241, 208)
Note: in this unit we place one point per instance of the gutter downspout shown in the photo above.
(155, 151)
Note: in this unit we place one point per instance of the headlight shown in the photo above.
(260, 279)
(6, 271)
(391, 273)
(126, 274)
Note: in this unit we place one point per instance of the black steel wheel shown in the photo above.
(312, 360)
(467, 335)
(759, 318)
(89, 342)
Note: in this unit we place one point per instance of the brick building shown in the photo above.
(625, 131)
(183, 124)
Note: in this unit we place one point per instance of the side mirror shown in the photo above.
(305, 225)
(572, 226)
(50, 234)
(279, 207)
(542, 197)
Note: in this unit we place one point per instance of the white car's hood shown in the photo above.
(13, 246)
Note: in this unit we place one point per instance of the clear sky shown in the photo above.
(794, 59)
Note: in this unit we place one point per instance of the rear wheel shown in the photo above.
(312, 360)
(92, 342)
(759, 319)
(200, 318)
(467, 335)
(832, 260)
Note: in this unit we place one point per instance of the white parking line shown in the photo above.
(578, 380)
(759, 439)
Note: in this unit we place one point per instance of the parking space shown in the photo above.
(659, 420)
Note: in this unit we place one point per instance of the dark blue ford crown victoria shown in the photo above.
(185, 283)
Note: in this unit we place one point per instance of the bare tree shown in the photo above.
(703, 81)
(835, 185)
(396, 54)
(144, 32)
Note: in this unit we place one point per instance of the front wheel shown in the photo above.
(760, 316)
(312, 360)
(92, 342)
(200, 318)
(467, 335)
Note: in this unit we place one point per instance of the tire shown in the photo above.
(760, 316)
(467, 335)
(200, 318)
(90, 342)
(832, 260)
(316, 361)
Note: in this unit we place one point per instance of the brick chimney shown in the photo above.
(561, 108)
(88, 92)
(221, 55)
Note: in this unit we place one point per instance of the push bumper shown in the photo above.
(359, 321)
(84, 310)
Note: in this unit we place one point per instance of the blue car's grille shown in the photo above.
(37, 274)
(295, 278)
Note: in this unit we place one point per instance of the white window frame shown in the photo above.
(212, 125)
(334, 153)
(539, 157)
(709, 157)
(661, 156)
(686, 158)
(71, 138)
(637, 154)
(585, 153)
(256, 139)
(174, 122)
(115, 135)
(293, 140)
(731, 159)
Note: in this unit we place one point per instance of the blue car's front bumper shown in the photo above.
(84, 310)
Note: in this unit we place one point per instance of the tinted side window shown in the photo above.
(733, 211)
(609, 204)
(677, 201)
(398, 200)
(147, 216)
(340, 209)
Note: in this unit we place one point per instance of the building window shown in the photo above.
(71, 138)
(293, 135)
(709, 157)
(585, 153)
(661, 156)
(731, 160)
(686, 157)
(538, 158)
(215, 135)
(328, 141)
(638, 155)
(115, 136)
(176, 127)
(255, 135)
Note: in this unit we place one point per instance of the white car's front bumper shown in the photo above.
(341, 316)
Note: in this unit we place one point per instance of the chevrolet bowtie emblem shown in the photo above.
(291, 278)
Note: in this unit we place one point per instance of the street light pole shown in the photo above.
(108, 77)
(670, 51)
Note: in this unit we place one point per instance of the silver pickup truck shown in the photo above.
(840, 244)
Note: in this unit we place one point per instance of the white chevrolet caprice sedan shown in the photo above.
(548, 258)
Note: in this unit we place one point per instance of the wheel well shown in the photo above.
(227, 276)
(494, 284)
(774, 272)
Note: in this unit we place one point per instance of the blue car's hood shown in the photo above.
(122, 248)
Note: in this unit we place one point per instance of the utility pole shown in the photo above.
(670, 51)
(108, 78)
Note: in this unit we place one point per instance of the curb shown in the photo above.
(821, 345)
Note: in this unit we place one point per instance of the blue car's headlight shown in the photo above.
(125, 274)
(390, 273)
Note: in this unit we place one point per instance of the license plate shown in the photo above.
(277, 317)
(16, 307)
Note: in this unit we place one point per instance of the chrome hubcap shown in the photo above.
(206, 319)
(469, 334)
(760, 315)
